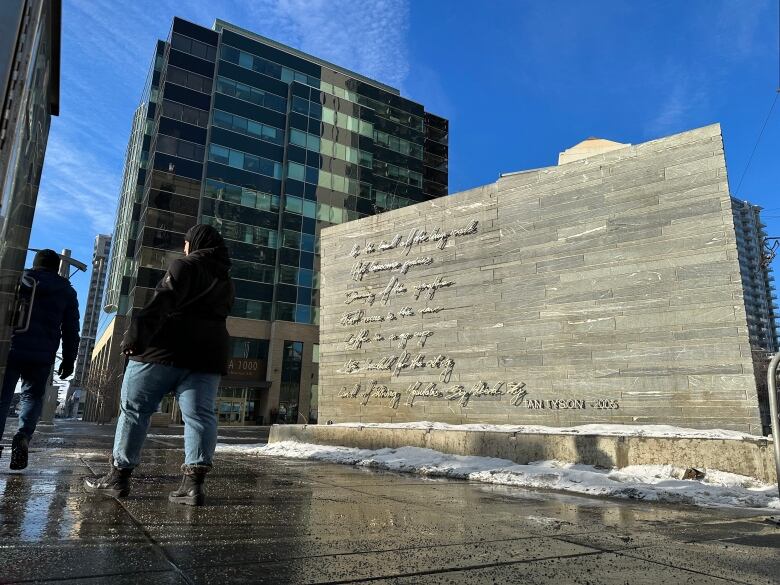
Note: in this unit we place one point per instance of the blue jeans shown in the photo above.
(143, 387)
(35, 376)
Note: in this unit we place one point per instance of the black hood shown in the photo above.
(207, 244)
(203, 236)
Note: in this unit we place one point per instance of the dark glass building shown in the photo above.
(29, 96)
(269, 145)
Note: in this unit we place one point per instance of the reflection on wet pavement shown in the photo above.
(283, 521)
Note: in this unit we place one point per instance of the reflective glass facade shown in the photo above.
(269, 145)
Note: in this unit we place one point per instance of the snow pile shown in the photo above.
(655, 483)
(658, 431)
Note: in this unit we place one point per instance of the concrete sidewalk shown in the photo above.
(281, 521)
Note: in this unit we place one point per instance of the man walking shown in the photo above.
(178, 343)
(54, 314)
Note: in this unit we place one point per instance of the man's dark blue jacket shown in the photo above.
(55, 314)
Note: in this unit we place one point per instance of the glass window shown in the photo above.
(300, 105)
(291, 239)
(307, 243)
(295, 171)
(329, 116)
(223, 118)
(236, 159)
(323, 212)
(229, 53)
(313, 142)
(309, 209)
(285, 311)
(302, 313)
(305, 277)
(219, 154)
(244, 92)
(297, 137)
(245, 60)
(257, 165)
(315, 353)
(293, 204)
(288, 274)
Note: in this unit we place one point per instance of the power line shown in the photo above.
(769, 114)
(755, 146)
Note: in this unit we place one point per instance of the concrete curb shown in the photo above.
(751, 457)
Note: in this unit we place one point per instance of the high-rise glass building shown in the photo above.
(757, 277)
(269, 145)
(30, 33)
(89, 325)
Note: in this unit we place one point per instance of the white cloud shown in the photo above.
(106, 53)
(77, 188)
(368, 38)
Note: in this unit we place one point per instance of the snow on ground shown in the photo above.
(653, 483)
(595, 429)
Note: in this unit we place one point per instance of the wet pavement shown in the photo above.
(285, 521)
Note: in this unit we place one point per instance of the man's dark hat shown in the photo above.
(47, 260)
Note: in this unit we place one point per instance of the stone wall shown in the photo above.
(603, 290)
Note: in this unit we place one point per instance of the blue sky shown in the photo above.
(519, 81)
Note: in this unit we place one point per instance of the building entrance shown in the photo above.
(231, 411)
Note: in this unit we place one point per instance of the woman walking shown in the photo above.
(178, 343)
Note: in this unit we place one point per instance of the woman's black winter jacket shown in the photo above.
(184, 323)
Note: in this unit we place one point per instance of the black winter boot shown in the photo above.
(115, 483)
(191, 491)
(19, 448)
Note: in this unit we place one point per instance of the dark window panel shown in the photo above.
(289, 257)
(166, 182)
(190, 63)
(186, 96)
(240, 214)
(306, 260)
(285, 293)
(258, 80)
(299, 89)
(253, 290)
(195, 31)
(291, 221)
(162, 240)
(186, 114)
(246, 144)
(293, 187)
(149, 277)
(178, 166)
(304, 296)
(247, 110)
(432, 175)
(281, 57)
(251, 253)
(243, 178)
(308, 225)
(181, 130)
(167, 220)
(296, 154)
(299, 121)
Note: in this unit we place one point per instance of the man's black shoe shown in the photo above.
(19, 451)
(115, 483)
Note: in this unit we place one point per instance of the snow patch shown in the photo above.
(613, 430)
(653, 483)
